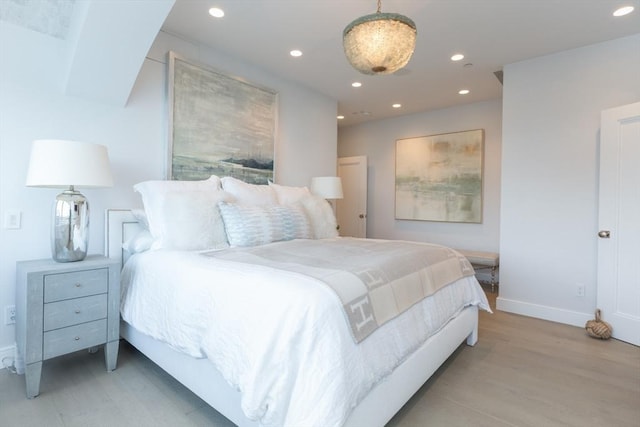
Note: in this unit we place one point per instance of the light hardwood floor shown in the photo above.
(522, 372)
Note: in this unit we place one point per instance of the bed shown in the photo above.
(316, 370)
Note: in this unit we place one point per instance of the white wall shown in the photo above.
(32, 106)
(377, 141)
(550, 135)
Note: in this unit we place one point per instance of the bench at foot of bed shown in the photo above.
(484, 261)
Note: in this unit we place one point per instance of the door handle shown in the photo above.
(604, 234)
(361, 216)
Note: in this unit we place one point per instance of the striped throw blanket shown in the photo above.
(376, 280)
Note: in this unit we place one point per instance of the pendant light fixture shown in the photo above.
(380, 43)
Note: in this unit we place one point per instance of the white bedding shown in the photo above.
(295, 365)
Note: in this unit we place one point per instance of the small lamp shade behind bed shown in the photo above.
(327, 187)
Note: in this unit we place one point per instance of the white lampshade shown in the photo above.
(327, 187)
(57, 163)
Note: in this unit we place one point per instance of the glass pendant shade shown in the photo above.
(68, 164)
(380, 43)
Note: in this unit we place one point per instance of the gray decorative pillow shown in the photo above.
(250, 225)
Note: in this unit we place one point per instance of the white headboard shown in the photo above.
(120, 225)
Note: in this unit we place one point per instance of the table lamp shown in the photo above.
(69, 164)
(327, 187)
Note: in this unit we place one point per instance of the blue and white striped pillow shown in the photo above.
(251, 225)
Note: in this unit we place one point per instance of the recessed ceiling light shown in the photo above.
(457, 57)
(216, 12)
(356, 84)
(397, 105)
(463, 91)
(340, 117)
(623, 11)
(296, 53)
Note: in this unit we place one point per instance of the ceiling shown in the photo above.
(490, 33)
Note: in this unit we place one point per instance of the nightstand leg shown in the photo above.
(32, 374)
(111, 354)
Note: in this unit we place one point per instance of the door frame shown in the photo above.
(355, 196)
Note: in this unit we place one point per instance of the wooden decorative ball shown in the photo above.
(598, 328)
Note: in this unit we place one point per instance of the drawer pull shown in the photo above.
(77, 311)
(78, 285)
(77, 338)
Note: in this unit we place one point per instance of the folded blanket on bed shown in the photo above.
(376, 280)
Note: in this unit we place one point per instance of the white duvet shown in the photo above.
(295, 364)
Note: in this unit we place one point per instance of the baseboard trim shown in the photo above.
(544, 312)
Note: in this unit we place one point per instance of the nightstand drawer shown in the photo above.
(74, 338)
(74, 311)
(75, 284)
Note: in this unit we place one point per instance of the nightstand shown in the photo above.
(66, 307)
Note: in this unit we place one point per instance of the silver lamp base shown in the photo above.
(70, 231)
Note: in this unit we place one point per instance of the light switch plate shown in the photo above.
(12, 219)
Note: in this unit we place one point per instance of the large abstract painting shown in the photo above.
(439, 177)
(219, 125)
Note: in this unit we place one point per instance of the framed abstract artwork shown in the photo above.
(439, 177)
(218, 124)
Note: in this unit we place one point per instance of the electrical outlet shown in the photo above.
(10, 315)
(580, 290)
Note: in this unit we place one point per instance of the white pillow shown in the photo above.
(251, 225)
(141, 216)
(321, 216)
(287, 195)
(154, 194)
(140, 242)
(192, 221)
(249, 194)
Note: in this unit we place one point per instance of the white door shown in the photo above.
(351, 210)
(619, 222)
